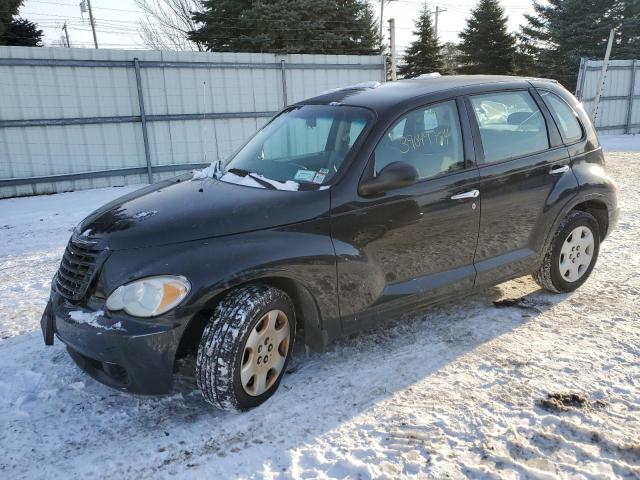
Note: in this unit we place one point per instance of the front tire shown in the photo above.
(245, 347)
(571, 255)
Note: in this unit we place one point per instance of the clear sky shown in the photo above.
(116, 20)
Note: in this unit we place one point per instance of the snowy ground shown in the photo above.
(458, 391)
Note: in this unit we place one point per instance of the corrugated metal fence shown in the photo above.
(78, 118)
(619, 107)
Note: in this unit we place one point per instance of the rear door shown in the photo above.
(522, 165)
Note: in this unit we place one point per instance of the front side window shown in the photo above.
(564, 116)
(304, 146)
(428, 138)
(511, 125)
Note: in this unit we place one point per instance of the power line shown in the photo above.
(74, 5)
(118, 26)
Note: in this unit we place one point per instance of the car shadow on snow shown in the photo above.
(318, 394)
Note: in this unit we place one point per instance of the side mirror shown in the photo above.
(394, 175)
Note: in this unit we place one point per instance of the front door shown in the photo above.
(414, 243)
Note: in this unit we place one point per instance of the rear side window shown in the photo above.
(429, 138)
(564, 116)
(511, 125)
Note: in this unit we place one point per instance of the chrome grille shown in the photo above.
(77, 268)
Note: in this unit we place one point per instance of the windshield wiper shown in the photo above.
(246, 173)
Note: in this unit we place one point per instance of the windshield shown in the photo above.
(301, 149)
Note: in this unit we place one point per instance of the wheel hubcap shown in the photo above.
(576, 253)
(265, 353)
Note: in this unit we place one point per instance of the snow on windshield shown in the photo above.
(216, 171)
(250, 181)
(209, 172)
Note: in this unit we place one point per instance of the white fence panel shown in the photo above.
(70, 118)
(619, 107)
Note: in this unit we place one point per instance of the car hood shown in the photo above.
(183, 209)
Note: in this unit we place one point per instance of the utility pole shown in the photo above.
(392, 48)
(66, 34)
(603, 74)
(382, 15)
(438, 12)
(93, 24)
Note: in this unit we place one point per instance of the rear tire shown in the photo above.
(230, 371)
(571, 255)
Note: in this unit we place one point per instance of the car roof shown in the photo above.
(383, 96)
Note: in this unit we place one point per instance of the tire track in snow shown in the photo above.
(450, 392)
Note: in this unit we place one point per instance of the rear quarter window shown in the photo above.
(564, 116)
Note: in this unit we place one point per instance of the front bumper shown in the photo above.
(129, 354)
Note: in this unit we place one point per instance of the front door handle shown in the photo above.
(470, 194)
(558, 169)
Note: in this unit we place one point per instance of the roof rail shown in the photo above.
(355, 86)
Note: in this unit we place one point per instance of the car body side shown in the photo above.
(311, 259)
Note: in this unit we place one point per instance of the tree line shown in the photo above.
(549, 44)
(287, 26)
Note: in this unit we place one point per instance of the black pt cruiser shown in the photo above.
(345, 209)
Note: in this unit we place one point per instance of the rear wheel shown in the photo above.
(572, 254)
(245, 347)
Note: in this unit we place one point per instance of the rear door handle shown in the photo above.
(558, 169)
(470, 194)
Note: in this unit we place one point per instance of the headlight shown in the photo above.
(149, 296)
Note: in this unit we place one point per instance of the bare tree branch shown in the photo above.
(166, 24)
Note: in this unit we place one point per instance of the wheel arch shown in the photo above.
(593, 204)
(599, 210)
(308, 316)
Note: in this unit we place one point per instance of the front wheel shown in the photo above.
(571, 255)
(245, 347)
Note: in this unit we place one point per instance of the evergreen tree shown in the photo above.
(423, 56)
(450, 55)
(487, 47)
(561, 32)
(22, 33)
(8, 9)
(17, 31)
(280, 26)
(629, 44)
